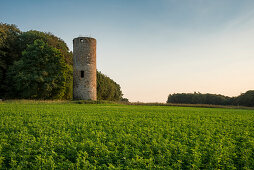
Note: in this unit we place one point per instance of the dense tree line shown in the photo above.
(107, 89)
(38, 65)
(245, 99)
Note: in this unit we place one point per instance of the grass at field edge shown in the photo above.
(26, 101)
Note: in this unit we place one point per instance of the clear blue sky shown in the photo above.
(154, 47)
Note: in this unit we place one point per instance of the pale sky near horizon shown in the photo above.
(154, 48)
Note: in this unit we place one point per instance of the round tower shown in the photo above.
(84, 68)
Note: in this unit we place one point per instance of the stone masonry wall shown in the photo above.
(84, 60)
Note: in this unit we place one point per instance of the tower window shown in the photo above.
(82, 74)
(81, 40)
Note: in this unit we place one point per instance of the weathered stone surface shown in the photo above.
(84, 60)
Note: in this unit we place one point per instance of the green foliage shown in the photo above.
(29, 37)
(245, 99)
(104, 136)
(41, 73)
(107, 89)
(198, 98)
(12, 45)
(9, 52)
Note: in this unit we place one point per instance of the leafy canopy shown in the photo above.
(9, 52)
(41, 73)
(107, 89)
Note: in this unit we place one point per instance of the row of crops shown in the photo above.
(107, 136)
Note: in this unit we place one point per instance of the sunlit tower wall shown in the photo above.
(84, 68)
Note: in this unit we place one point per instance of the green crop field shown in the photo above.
(41, 135)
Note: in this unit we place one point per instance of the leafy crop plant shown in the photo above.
(35, 135)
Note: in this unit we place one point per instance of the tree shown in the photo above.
(41, 73)
(9, 52)
(30, 36)
(107, 89)
(246, 99)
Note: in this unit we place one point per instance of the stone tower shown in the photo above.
(84, 68)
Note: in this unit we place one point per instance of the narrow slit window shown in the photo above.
(82, 74)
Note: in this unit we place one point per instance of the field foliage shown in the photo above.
(64, 135)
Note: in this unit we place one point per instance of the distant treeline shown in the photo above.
(38, 65)
(245, 99)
